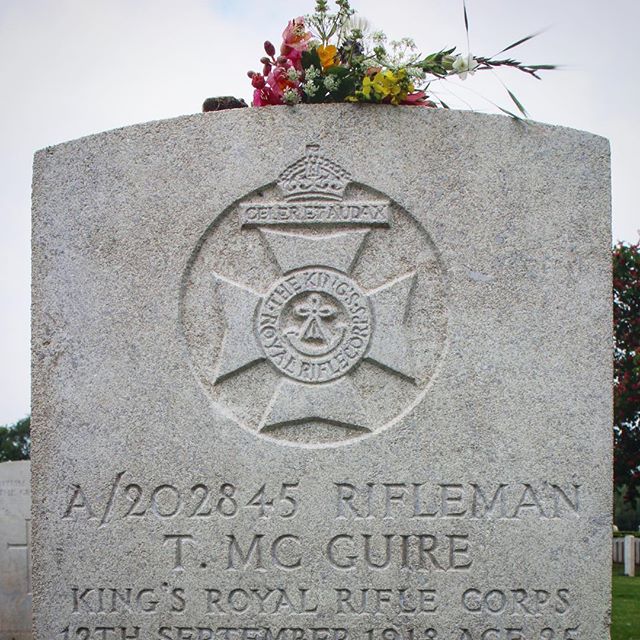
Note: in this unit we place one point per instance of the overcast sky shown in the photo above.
(74, 67)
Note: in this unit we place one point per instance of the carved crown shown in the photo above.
(314, 177)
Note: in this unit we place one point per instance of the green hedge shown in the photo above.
(15, 441)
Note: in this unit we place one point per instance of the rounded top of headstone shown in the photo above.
(344, 116)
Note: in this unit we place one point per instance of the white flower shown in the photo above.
(310, 88)
(464, 64)
(409, 43)
(292, 74)
(311, 73)
(331, 83)
(290, 96)
(358, 23)
(416, 74)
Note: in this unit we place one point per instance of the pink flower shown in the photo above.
(295, 40)
(295, 35)
(259, 98)
(281, 76)
(418, 99)
(257, 81)
(295, 56)
(264, 97)
(279, 79)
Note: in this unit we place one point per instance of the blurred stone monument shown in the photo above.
(15, 552)
(327, 372)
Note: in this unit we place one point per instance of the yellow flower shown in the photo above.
(385, 86)
(327, 56)
(367, 87)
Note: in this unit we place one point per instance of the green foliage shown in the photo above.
(625, 610)
(310, 58)
(438, 64)
(326, 24)
(626, 362)
(345, 83)
(15, 441)
(626, 513)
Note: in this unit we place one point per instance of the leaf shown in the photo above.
(318, 97)
(438, 55)
(346, 88)
(466, 17)
(311, 58)
(444, 104)
(518, 104)
(340, 72)
(509, 113)
(518, 42)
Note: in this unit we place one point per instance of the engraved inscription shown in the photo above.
(364, 502)
(415, 552)
(314, 325)
(132, 501)
(250, 545)
(421, 500)
(361, 213)
(508, 631)
(525, 602)
(494, 612)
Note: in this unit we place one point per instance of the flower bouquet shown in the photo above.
(334, 57)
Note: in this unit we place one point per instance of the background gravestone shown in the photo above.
(15, 555)
(323, 373)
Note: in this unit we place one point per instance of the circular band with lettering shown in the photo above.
(314, 325)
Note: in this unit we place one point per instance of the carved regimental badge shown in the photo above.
(314, 325)
(314, 308)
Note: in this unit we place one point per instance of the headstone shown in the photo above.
(15, 553)
(629, 556)
(323, 373)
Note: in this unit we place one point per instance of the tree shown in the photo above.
(15, 441)
(627, 513)
(626, 367)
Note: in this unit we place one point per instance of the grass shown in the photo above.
(626, 605)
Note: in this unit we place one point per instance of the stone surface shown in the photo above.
(15, 554)
(629, 556)
(323, 373)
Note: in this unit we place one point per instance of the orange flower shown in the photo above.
(327, 56)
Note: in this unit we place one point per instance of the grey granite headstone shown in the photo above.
(323, 373)
(15, 553)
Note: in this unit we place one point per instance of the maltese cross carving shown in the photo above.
(315, 325)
